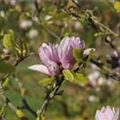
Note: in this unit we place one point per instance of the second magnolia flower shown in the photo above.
(107, 113)
(56, 57)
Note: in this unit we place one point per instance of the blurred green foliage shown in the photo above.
(79, 102)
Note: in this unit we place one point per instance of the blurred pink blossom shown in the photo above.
(107, 113)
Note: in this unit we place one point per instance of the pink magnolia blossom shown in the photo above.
(49, 57)
(65, 51)
(59, 56)
(107, 113)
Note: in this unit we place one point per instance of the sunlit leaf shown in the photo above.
(2, 110)
(68, 75)
(80, 78)
(6, 81)
(8, 40)
(47, 81)
(117, 6)
(21, 115)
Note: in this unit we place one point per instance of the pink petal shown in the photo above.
(48, 53)
(116, 115)
(63, 47)
(109, 113)
(65, 53)
(76, 42)
(54, 53)
(103, 109)
(53, 68)
(44, 53)
(100, 116)
(40, 68)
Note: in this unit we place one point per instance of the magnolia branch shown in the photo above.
(93, 20)
(50, 95)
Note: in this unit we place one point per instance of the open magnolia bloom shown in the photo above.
(49, 57)
(59, 56)
(65, 51)
(107, 113)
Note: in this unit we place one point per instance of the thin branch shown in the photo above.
(25, 106)
(28, 108)
(50, 95)
(39, 22)
(88, 15)
(106, 71)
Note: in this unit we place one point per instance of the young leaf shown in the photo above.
(80, 78)
(8, 40)
(20, 113)
(47, 81)
(68, 75)
(78, 54)
(6, 68)
(2, 110)
(6, 81)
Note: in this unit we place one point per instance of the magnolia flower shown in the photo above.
(65, 51)
(49, 57)
(107, 113)
(59, 56)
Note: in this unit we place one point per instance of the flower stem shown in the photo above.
(49, 96)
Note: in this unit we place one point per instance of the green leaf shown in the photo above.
(8, 40)
(6, 68)
(68, 75)
(6, 81)
(47, 81)
(80, 78)
(2, 110)
(78, 54)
